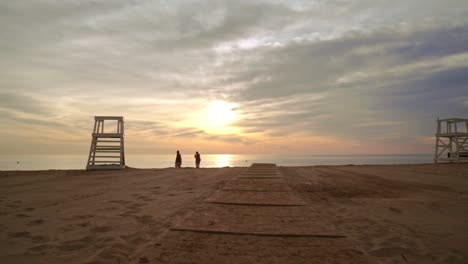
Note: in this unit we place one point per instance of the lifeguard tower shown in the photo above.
(107, 146)
(451, 140)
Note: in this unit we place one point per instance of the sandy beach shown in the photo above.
(389, 214)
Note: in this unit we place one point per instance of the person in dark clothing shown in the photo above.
(197, 159)
(178, 160)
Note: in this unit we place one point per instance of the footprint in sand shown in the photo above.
(117, 252)
(145, 219)
(135, 206)
(388, 252)
(40, 248)
(135, 239)
(107, 209)
(144, 198)
(22, 215)
(84, 224)
(39, 239)
(143, 260)
(72, 227)
(19, 234)
(394, 209)
(80, 217)
(155, 190)
(67, 228)
(101, 229)
(126, 214)
(132, 210)
(455, 256)
(35, 222)
(396, 241)
(72, 245)
(121, 202)
(104, 241)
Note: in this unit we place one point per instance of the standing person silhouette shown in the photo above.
(197, 159)
(178, 160)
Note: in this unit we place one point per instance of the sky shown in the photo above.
(281, 77)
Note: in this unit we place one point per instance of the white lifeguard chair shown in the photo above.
(107, 147)
(451, 140)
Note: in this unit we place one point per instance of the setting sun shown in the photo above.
(214, 117)
(220, 113)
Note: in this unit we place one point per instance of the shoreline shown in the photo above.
(279, 166)
(211, 161)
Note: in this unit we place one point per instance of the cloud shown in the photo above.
(373, 72)
(7, 116)
(396, 71)
(230, 139)
(188, 132)
(22, 103)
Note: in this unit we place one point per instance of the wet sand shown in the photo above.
(392, 214)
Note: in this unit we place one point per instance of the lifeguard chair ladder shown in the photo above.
(451, 140)
(107, 148)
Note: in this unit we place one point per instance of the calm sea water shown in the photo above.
(46, 162)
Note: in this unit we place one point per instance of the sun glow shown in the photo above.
(223, 160)
(220, 113)
(215, 118)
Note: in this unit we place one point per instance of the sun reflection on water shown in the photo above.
(223, 160)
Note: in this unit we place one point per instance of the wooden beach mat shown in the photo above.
(260, 173)
(254, 198)
(259, 176)
(248, 174)
(258, 220)
(275, 172)
(261, 170)
(257, 184)
(263, 165)
(211, 248)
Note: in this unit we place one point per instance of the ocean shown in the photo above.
(60, 162)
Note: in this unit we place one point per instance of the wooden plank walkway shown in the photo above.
(256, 219)
(247, 184)
(269, 198)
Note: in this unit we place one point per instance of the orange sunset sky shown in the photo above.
(292, 77)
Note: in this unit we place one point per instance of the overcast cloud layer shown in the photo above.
(318, 77)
